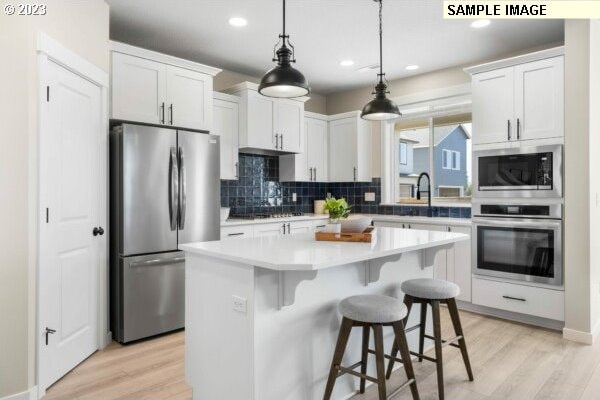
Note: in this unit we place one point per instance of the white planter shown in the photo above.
(333, 227)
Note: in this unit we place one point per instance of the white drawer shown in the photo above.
(541, 302)
(231, 232)
(319, 225)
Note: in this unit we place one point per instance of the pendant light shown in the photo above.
(380, 108)
(284, 80)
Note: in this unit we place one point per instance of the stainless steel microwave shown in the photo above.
(523, 172)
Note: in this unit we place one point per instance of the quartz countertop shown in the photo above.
(301, 252)
(242, 221)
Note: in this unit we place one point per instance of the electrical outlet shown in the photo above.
(294, 197)
(369, 196)
(240, 304)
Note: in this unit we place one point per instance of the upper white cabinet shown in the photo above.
(311, 164)
(226, 125)
(158, 89)
(267, 123)
(349, 148)
(521, 100)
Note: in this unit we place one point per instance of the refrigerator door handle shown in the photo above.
(173, 188)
(182, 184)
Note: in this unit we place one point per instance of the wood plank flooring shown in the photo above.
(509, 360)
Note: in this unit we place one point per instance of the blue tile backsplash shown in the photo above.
(258, 191)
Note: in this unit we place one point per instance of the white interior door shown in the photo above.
(71, 194)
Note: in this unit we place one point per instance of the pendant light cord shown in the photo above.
(284, 21)
(380, 39)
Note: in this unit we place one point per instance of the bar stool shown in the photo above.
(434, 292)
(372, 312)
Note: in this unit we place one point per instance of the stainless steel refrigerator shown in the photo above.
(165, 190)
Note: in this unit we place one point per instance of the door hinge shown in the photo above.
(48, 93)
(47, 215)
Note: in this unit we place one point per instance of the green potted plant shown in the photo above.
(338, 209)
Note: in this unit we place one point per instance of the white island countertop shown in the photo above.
(301, 252)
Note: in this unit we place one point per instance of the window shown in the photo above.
(403, 155)
(436, 146)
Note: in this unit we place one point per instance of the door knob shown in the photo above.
(98, 231)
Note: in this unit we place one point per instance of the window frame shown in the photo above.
(405, 152)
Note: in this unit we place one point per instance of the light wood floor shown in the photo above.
(510, 361)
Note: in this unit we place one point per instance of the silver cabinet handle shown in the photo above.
(315, 171)
(518, 128)
(162, 112)
(281, 141)
(409, 227)
(183, 189)
(514, 298)
(173, 188)
(321, 226)
(235, 234)
(276, 140)
(284, 229)
(354, 174)
(157, 261)
(449, 229)
(310, 171)
(289, 231)
(171, 109)
(237, 169)
(508, 128)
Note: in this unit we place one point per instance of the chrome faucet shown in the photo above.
(428, 191)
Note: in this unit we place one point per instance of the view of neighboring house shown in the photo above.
(450, 177)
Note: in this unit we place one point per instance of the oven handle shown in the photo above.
(518, 222)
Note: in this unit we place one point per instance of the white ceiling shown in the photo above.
(324, 32)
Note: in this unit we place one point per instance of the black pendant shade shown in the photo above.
(380, 108)
(284, 80)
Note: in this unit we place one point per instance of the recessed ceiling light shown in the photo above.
(480, 23)
(347, 63)
(411, 67)
(238, 21)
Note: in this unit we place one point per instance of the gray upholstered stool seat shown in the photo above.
(373, 308)
(433, 289)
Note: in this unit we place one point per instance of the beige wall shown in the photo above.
(81, 26)
(316, 103)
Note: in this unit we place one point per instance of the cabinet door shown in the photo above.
(320, 225)
(440, 264)
(260, 121)
(342, 150)
(316, 148)
(264, 230)
(290, 125)
(189, 98)
(493, 107)
(539, 99)
(138, 89)
(364, 146)
(226, 125)
(459, 263)
(232, 232)
(301, 227)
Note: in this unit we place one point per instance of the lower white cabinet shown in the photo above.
(524, 299)
(453, 265)
(299, 227)
(319, 226)
(231, 232)
(274, 229)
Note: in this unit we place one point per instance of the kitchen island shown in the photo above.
(261, 313)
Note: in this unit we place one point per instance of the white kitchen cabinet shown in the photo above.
(311, 163)
(349, 148)
(189, 98)
(319, 226)
(226, 125)
(272, 229)
(159, 89)
(138, 89)
(239, 231)
(520, 101)
(266, 123)
(453, 264)
(300, 227)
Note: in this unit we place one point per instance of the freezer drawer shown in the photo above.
(152, 297)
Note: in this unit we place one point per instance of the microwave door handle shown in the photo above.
(173, 188)
(183, 189)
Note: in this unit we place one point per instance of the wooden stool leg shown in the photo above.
(453, 309)
(338, 354)
(402, 344)
(379, 361)
(365, 356)
(423, 324)
(437, 334)
(408, 301)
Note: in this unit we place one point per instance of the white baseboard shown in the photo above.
(578, 336)
(30, 394)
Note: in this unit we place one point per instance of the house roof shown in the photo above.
(421, 136)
